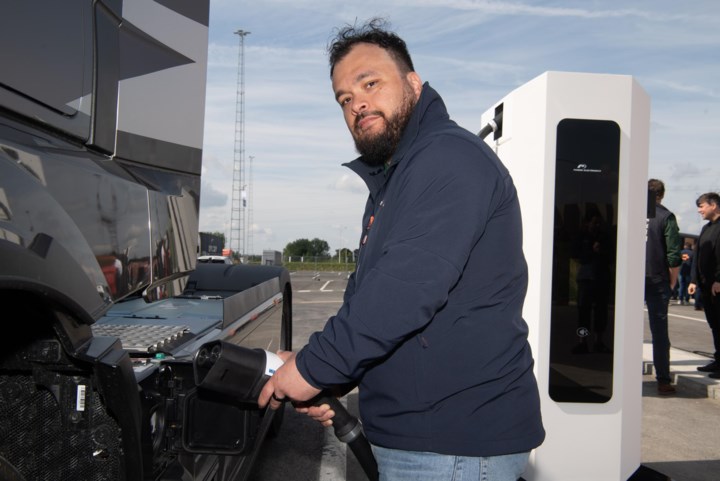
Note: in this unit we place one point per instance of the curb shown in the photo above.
(683, 369)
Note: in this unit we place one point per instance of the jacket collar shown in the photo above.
(429, 109)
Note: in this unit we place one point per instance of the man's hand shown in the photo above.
(715, 289)
(322, 414)
(691, 289)
(286, 383)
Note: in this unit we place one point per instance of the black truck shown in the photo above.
(104, 305)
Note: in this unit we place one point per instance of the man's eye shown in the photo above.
(344, 101)
(371, 84)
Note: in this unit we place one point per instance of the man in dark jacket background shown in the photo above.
(431, 328)
(706, 272)
(685, 274)
(662, 265)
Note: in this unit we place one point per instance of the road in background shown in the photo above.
(305, 450)
(688, 329)
(681, 434)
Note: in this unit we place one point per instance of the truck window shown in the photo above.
(46, 59)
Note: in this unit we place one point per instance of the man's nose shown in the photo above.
(359, 103)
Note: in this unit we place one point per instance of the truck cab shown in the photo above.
(105, 305)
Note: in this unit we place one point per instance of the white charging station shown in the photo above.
(577, 145)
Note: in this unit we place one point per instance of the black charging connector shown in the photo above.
(495, 125)
(241, 373)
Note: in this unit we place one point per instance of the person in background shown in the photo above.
(431, 327)
(697, 295)
(684, 275)
(698, 299)
(706, 275)
(662, 264)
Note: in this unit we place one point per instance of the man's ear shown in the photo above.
(415, 82)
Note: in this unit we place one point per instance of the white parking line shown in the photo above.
(687, 317)
(682, 317)
(311, 290)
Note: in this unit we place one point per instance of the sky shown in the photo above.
(473, 53)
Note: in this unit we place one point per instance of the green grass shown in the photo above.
(319, 266)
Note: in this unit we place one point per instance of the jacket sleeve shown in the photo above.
(448, 195)
(673, 242)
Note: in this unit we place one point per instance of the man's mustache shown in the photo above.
(364, 114)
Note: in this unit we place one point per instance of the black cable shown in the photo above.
(491, 126)
(349, 430)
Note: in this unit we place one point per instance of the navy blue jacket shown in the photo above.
(431, 326)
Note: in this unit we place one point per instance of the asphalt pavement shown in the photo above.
(681, 432)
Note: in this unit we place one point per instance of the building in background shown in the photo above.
(272, 258)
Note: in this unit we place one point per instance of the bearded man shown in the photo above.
(431, 328)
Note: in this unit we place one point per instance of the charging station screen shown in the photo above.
(582, 324)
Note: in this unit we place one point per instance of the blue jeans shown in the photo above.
(398, 465)
(657, 297)
(683, 283)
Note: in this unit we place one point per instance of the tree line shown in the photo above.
(308, 249)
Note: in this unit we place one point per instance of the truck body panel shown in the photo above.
(101, 128)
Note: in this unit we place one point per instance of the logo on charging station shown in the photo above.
(584, 168)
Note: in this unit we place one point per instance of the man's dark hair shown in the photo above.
(657, 187)
(709, 198)
(373, 32)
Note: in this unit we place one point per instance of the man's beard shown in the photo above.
(379, 148)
